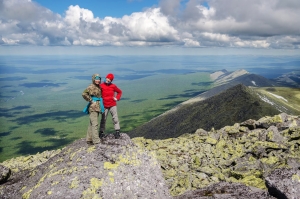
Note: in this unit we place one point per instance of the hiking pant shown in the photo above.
(115, 119)
(92, 132)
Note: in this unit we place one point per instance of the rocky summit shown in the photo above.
(252, 159)
(112, 169)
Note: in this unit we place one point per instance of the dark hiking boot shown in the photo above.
(101, 135)
(117, 134)
(89, 142)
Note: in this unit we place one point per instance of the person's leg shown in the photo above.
(103, 121)
(94, 126)
(115, 119)
(89, 139)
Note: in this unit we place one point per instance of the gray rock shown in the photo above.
(284, 183)
(226, 190)
(5, 174)
(115, 168)
(249, 123)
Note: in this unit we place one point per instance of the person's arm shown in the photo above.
(119, 93)
(86, 95)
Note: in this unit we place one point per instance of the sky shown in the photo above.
(149, 26)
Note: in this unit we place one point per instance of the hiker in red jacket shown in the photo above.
(110, 94)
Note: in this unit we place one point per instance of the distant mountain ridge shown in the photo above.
(236, 104)
(291, 79)
(230, 79)
(228, 102)
(228, 76)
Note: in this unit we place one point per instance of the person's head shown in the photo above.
(96, 79)
(109, 78)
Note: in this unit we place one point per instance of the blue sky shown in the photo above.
(149, 26)
(100, 8)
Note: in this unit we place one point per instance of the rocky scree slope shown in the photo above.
(245, 153)
(252, 159)
(236, 104)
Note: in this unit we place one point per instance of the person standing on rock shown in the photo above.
(93, 95)
(111, 94)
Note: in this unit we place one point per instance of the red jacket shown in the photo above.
(108, 94)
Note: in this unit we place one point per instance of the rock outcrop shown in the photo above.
(5, 174)
(112, 169)
(284, 183)
(226, 190)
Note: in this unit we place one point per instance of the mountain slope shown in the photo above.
(291, 79)
(239, 77)
(236, 104)
(228, 76)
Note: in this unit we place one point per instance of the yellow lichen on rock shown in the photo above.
(91, 149)
(54, 183)
(27, 194)
(210, 140)
(270, 160)
(254, 181)
(296, 178)
(74, 184)
(91, 192)
(109, 165)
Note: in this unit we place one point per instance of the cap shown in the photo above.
(110, 76)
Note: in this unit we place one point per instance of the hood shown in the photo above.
(93, 77)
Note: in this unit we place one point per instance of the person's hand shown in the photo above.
(115, 99)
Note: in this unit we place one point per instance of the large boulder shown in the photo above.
(284, 183)
(112, 169)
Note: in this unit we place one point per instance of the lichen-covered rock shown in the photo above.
(5, 174)
(226, 190)
(21, 163)
(284, 183)
(243, 153)
(115, 168)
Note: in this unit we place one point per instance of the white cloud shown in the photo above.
(150, 25)
(191, 43)
(231, 23)
(75, 14)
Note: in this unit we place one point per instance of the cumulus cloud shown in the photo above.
(187, 23)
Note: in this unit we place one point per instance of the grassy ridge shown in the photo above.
(46, 118)
(236, 104)
(289, 97)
